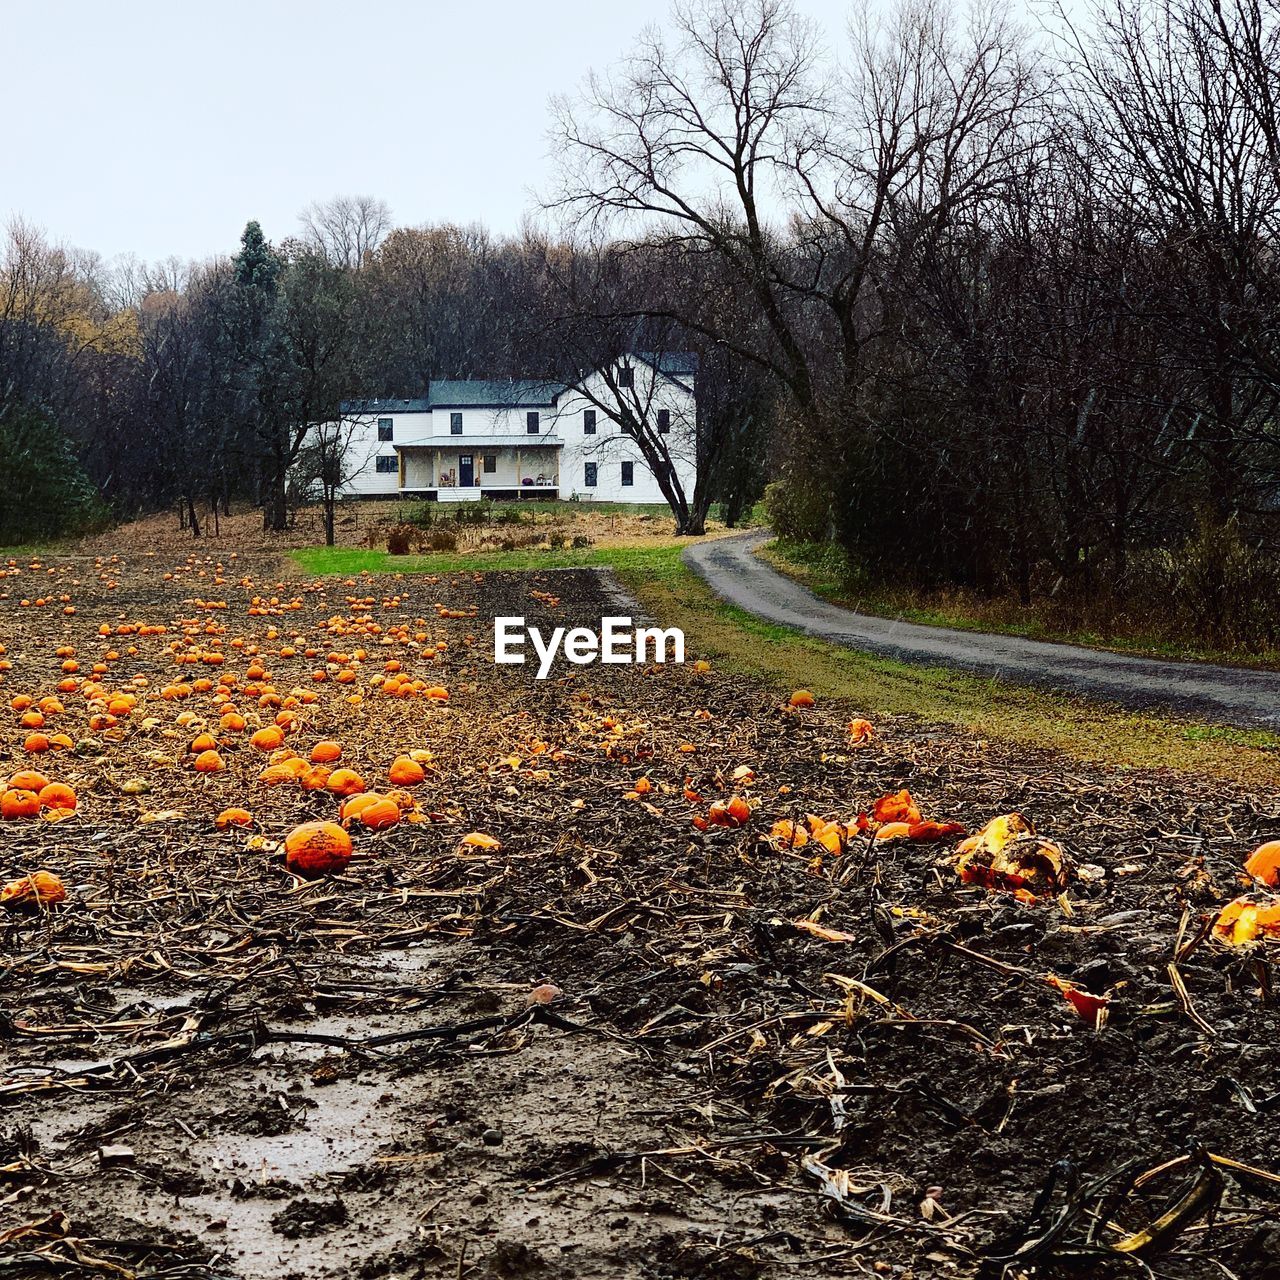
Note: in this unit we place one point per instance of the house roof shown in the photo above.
(507, 393)
(494, 393)
(672, 362)
(393, 405)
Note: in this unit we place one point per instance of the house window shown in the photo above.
(664, 421)
(387, 463)
(588, 422)
(589, 475)
(490, 463)
(531, 423)
(628, 474)
(626, 376)
(384, 428)
(455, 424)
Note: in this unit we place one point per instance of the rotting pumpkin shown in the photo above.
(31, 892)
(1007, 855)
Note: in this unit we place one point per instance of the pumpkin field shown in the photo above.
(330, 948)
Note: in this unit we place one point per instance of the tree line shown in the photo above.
(990, 304)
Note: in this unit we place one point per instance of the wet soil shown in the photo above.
(212, 1068)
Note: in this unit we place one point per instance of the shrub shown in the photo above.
(797, 510)
(581, 540)
(472, 512)
(439, 539)
(1219, 587)
(422, 514)
(557, 541)
(401, 538)
(47, 494)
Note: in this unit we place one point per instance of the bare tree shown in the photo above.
(738, 142)
(346, 230)
(326, 462)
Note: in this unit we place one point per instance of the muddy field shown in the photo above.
(604, 1042)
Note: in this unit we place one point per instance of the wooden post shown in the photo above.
(435, 475)
(519, 477)
(400, 467)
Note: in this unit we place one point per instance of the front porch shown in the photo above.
(466, 471)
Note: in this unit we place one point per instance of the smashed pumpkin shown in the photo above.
(1264, 863)
(1252, 917)
(1007, 855)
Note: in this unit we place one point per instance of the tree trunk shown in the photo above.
(275, 512)
(192, 518)
(330, 502)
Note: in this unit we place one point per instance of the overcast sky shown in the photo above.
(161, 128)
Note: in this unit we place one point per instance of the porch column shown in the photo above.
(519, 475)
(400, 467)
(435, 475)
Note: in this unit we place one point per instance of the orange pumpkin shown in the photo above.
(326, 752)
(209, 762)
(28, 780)
(317, 849)
(16, 803)
(39, 889)
(354, 805)
(233, 818)
(405, 772)
(1264, 863)
(382, 813)
(345, 782)
(274, 774)
(802, 698)
(268, 739)
(57, 795)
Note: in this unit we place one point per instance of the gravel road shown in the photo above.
(1226, 694)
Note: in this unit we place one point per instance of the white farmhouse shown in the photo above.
(525, 438)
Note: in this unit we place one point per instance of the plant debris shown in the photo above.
(536, 1016)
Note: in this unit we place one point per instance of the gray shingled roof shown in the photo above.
(394, 405)
(671, 362)
(506, 393)
(495, 393)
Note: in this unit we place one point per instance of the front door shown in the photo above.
(466, 471)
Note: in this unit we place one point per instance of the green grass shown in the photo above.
(825, 571)
(786, 659)
(1090, 731)
(664, 560)
(31, 551)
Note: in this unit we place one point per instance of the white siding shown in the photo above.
(364, 478)
(611, 446)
